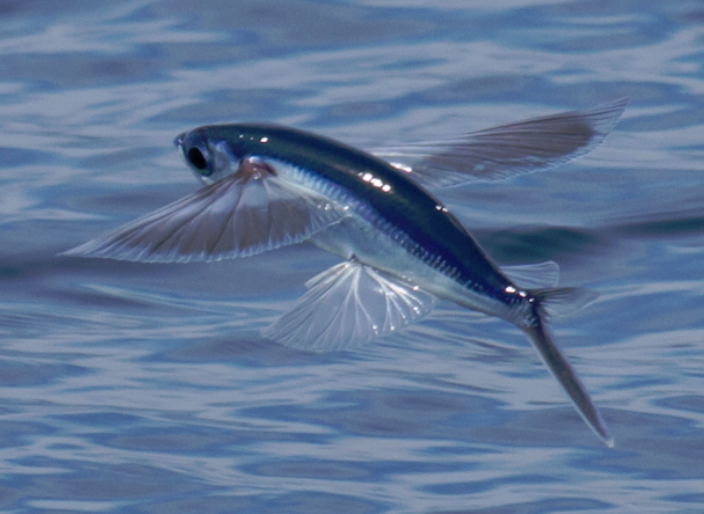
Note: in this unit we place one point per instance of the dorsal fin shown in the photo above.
(533, 276)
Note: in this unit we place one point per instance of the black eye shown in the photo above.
(196, 158)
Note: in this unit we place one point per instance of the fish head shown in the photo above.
(208, 155)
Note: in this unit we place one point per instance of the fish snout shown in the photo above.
(178, 140)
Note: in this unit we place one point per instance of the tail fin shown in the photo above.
(540, 338)
(561, 301)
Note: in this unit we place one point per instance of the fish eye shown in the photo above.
(197, 159)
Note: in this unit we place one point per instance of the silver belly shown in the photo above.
(354, 238)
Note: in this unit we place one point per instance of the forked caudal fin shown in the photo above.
(562, 370)
(562, 301)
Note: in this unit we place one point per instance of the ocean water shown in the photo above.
(129, 387)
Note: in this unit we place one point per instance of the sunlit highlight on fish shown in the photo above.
(269, 186)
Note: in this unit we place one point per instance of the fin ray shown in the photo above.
(563, 301)
(501, 152)
(234, 217)
(348, 305)
(565, 374)
(542, 275)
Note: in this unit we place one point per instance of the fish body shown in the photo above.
(269, 186)
(393, 224)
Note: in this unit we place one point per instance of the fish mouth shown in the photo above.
(178, 140)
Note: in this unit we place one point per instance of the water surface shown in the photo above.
(147, 388)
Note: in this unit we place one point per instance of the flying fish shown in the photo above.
(269, 186)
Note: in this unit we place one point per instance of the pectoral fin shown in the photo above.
(501, 152)
(348, 305)
(238, 216)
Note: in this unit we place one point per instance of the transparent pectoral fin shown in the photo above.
(346, 306)
(235, 217)
(501, 152)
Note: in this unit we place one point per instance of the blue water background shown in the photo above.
(128, 387)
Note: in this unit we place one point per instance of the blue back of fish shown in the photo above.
(420, 222)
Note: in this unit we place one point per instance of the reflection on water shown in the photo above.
(148, 388)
